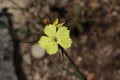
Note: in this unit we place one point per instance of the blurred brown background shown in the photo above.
(95, 32)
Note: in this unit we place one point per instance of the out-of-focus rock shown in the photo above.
(27, 58)
(94, 5)
(7, 71)
(90, 76)
(37, 51)
(37, 76)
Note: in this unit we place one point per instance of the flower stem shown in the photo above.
(82, 76)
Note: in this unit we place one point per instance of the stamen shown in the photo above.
(55, 39)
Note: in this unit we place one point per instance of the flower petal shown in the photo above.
(65, 42)
(50, 30)
(63, 32)
(52, 48)
(43, 41)
(56, 22)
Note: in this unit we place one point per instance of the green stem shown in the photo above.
(82, 76)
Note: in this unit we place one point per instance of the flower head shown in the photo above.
(56, 34)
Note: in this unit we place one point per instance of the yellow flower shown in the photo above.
(55, 36)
